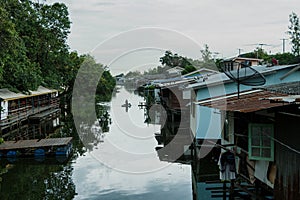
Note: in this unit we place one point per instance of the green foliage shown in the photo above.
(173, 60)
(207, 60)
(105, 87)
(16, 70)
(188, 69)
(257, 53)
(189, 65)
(286, 58)
(133, 74)
(282, 58)
(34, 49)
(294, 33)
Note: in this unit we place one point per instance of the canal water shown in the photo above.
(125, 165)
(121, 164)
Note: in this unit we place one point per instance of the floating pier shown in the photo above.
(37, 147)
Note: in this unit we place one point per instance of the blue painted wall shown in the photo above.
(209, 119)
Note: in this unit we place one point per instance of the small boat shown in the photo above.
(126, 104)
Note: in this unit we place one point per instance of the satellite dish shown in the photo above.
(244, 74)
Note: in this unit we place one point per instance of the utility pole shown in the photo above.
(240, 50)
(283, 44)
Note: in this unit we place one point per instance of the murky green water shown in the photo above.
(121, 164)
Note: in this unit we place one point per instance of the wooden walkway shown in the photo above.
(42, 115)
(24, 144)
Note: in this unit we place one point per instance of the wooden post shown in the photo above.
(231, 191)
(224, 190)
(32, 102)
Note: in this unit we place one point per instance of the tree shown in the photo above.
(294, 32)
(16, 71)
(43, 30)
(256, 53)
(206, 54)
(207, 60)
(173, 60)
(188, 69)
(34, 49)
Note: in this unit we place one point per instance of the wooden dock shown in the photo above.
(42, 147)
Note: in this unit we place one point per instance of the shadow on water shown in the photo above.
(90, 172)
(49, 178)
(31, 179)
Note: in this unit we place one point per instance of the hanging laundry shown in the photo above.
(227, 166)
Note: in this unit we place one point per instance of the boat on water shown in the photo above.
(126, 104)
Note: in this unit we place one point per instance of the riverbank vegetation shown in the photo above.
(34, 49)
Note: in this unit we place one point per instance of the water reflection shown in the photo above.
(119, 162)
(127, 165)
(29, 179)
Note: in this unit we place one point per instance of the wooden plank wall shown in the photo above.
(287, 161)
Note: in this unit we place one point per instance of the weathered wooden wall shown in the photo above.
(287, 161)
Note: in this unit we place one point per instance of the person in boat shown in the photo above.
(127, 104)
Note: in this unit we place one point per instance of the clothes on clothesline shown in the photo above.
(227, 166)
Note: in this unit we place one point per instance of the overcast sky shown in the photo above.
(135, 33)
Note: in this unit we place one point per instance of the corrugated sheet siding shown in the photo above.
(288, 174)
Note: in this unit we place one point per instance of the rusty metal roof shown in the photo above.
(287, 99)
(292, 88)
(248, 101)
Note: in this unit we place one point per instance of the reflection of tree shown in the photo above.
(29, 179)
(103, 117)
(91, 134)
(59, 185)
(105, 121)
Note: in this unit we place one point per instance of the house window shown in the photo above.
(261, 143)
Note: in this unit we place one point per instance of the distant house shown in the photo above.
(17, 108)
(234, 63)
(175, 71)
(263, 127)
(200, 73)
(120, 79)
(259, 122)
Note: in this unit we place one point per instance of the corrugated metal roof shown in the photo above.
(201, 71)
(6, 94)
(222, 78)
(242, 58)
(249, 101)
(292, 88)
(41, 90)
(287, 99)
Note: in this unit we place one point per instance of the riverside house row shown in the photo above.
(258, 124)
